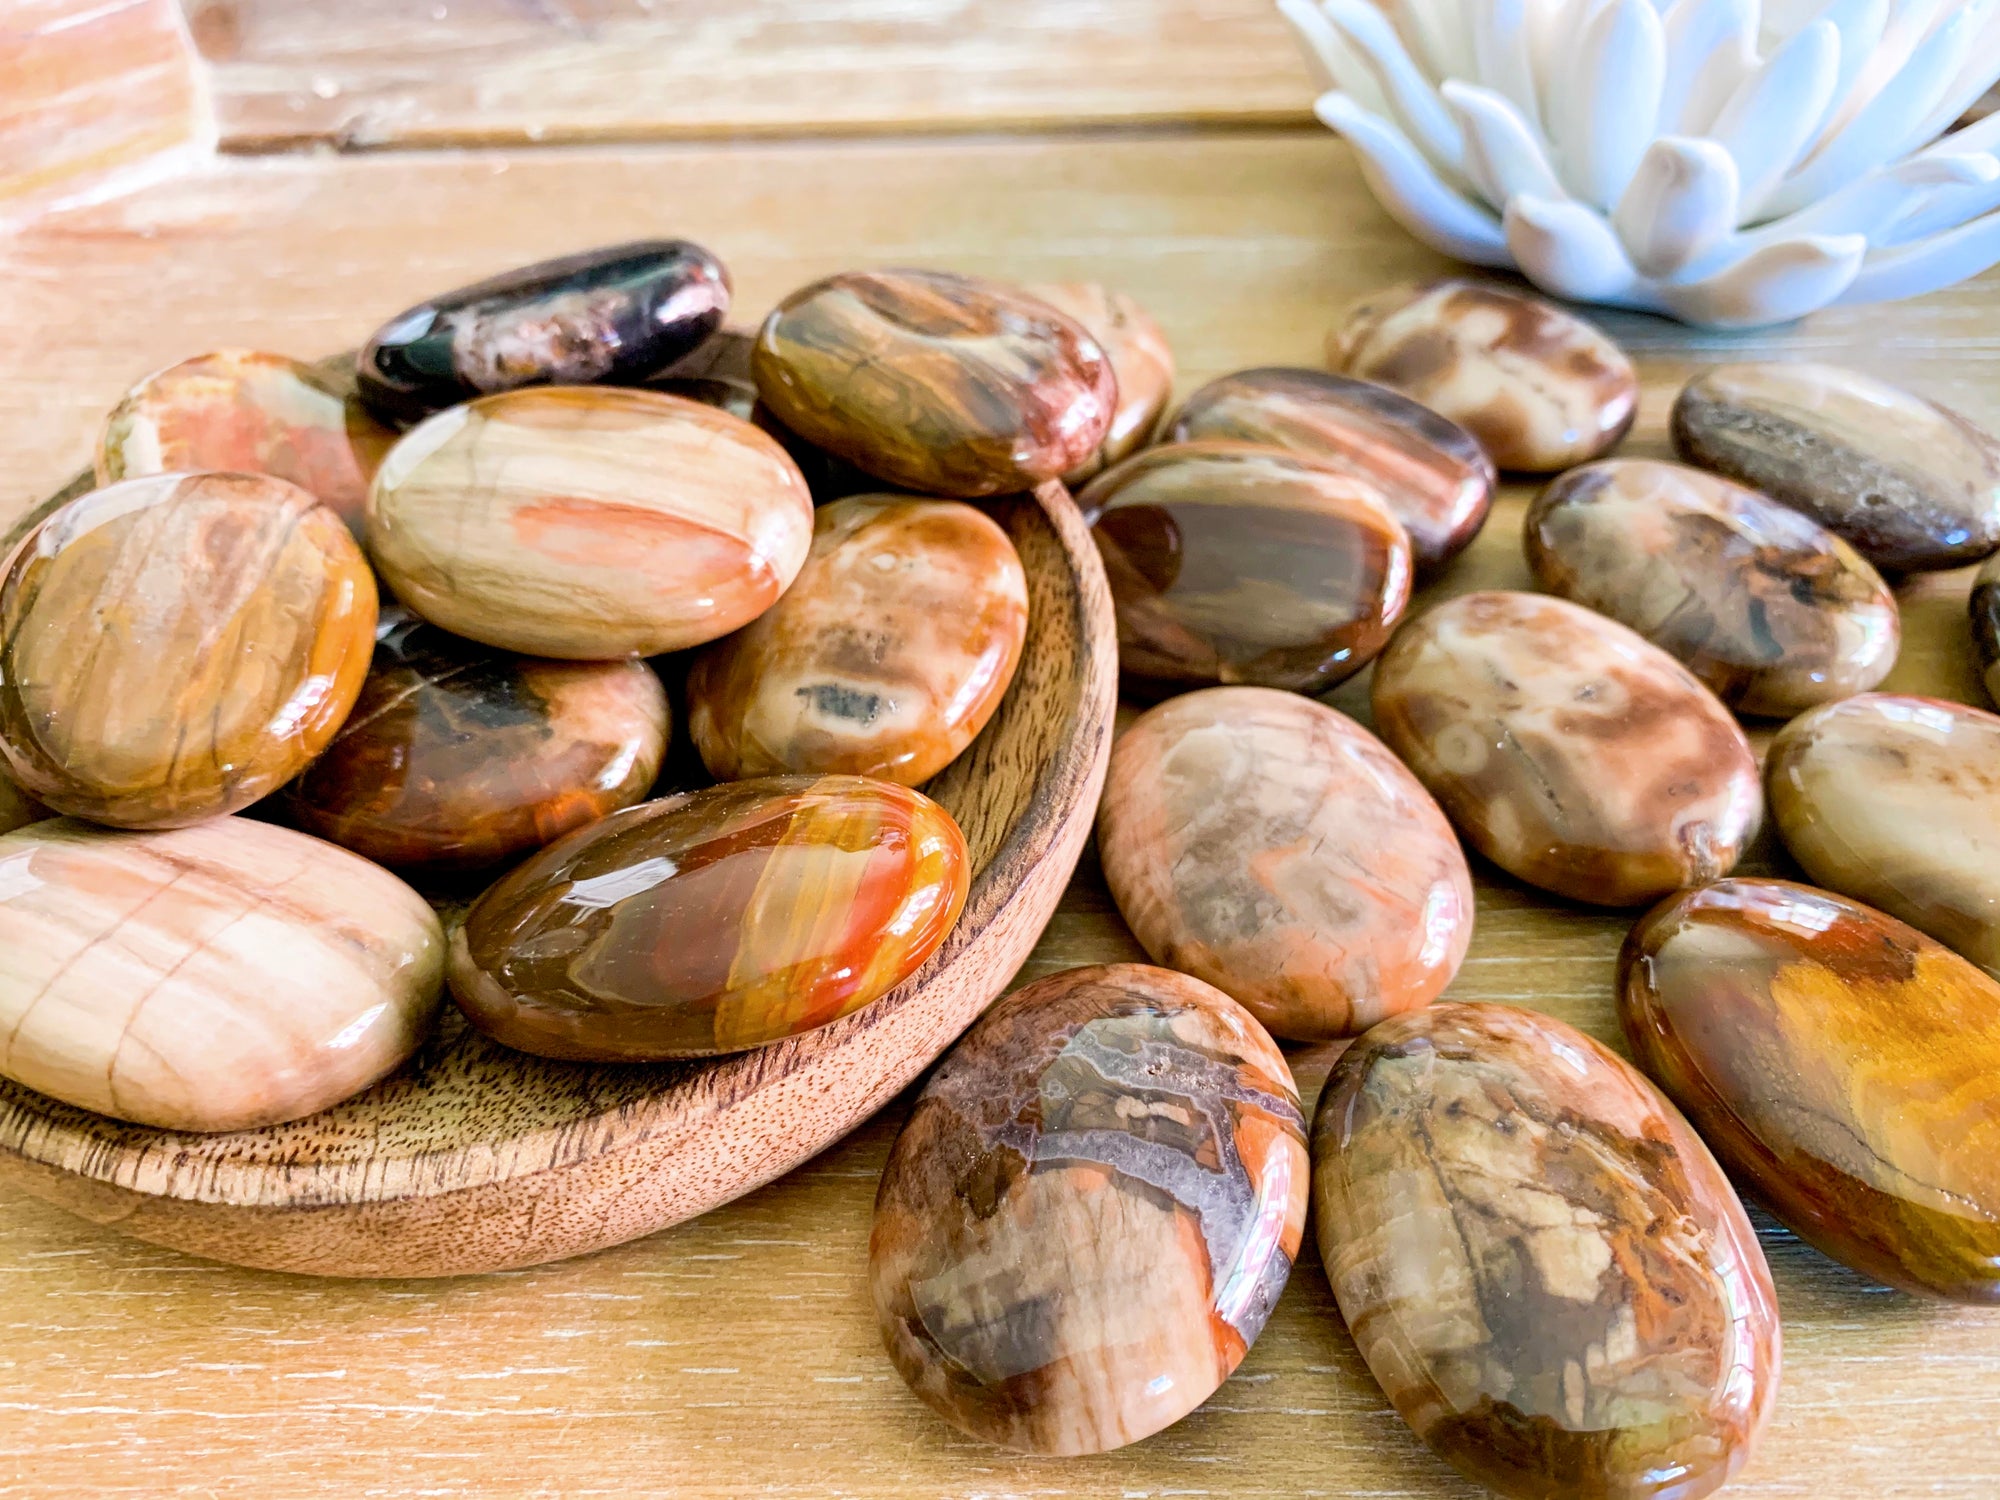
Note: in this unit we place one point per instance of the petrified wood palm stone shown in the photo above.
(457, 755)
(1141, 359)
(174, 647)
(220, 977)
(1237, 564)
(1843, 1066)
(1568, 750)
(1091, 1211)
(712, 921)
(1541, 1264)
(943, 384)
(1276, 849)
(1769, 608)
(887, 655)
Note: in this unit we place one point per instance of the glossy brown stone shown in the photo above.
(1843, 1066)
(1432, 472)
(1895, 801)
(1276, 849)
(174, 647)
(1091, 1212)
(943, 384)
(886, 656)
(712, 921)
(1541, 389)
(1913, 485)
(1232, 563)
(1568, 750)
(1984, 605)
(458, 756)
(1769, 608)
(1541, 1264)
(1141, 358)
(587, 522)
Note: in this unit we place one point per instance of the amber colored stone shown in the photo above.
(1232, 563)
(1276, 849)
(1542, 1265)
(457, 756)
(1568, 750)
(612, 316)
(713, 921)
(219, 977)
(1765, 605)
(944, 384)
(889, 652)
(1541, 389)
(1984, 605)
(1434, 475)
(1913, 485)
(1141, 358)
(1845, 1067)
(588, 522)
(1091, 1212)
(1895, 801)
(246, 413)
(174, 647)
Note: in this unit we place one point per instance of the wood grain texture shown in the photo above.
(737, 1354)
(370, 73)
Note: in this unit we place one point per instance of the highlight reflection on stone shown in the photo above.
(1568, 750)
(1843, 1065)
(1913, 485)
(1266, 844)
(1140, 356)
(1895, 801)
(247, 413)
(456, 755)
(172, 648)
(612, 316)
(1541, 390)
(1541, 1264)
(1769, 608)
(1432, 472)
(588, 522)
(219, 977)
(1232, 563)
(887, 655)
(1091, 1212)
(712, 921)
(943, 384)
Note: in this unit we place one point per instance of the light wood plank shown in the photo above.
(736, 1355)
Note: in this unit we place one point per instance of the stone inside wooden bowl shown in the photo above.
(476, 1158)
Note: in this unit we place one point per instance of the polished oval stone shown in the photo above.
(886, 656)
(1232, 563)
(219, 977)
(248, 413)
(713, 921)
(1985, 609)
(1141, 359)
(1541, 1264)
(1913, 485)
(588, 522)
(1091, 1211)
(1568, 750)
(1541, 390)
(457, 756)
(1896, 801)
(179, 645)
(1765, 605)
(944, 384)
(611, 316)
(1276, 849)
(1844, 1067)
(1432, 472)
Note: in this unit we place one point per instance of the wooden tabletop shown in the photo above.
(737, 1355)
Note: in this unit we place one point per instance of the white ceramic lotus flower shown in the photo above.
(1727, 162)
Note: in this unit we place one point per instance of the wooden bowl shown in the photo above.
(476, 1158)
